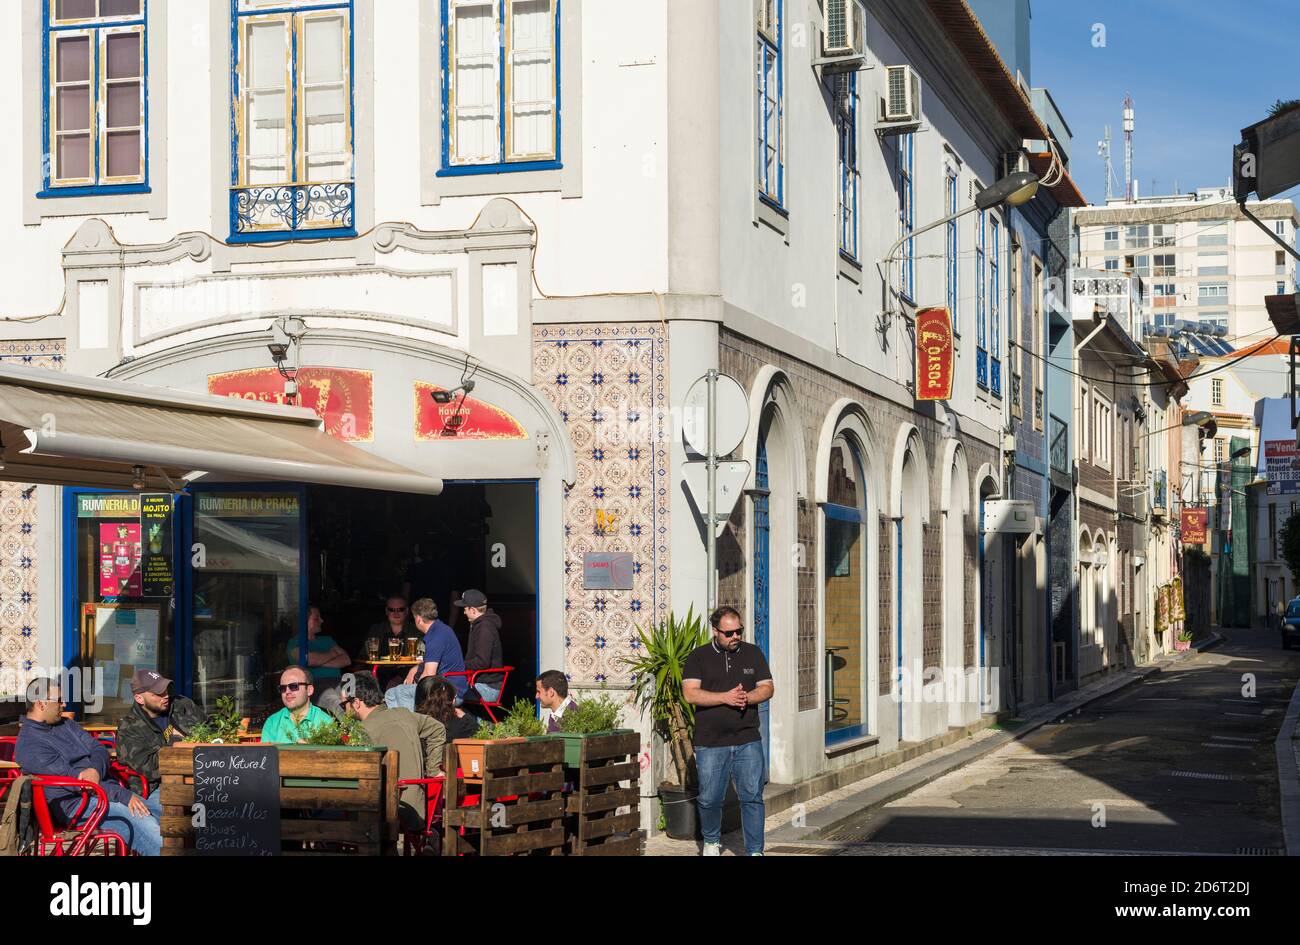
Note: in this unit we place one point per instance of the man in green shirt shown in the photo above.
(289, 724)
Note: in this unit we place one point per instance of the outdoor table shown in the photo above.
(377, 667)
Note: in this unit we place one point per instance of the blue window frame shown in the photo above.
(995, 307)
(981, 315)
(761, 583)
(94, 112)
(906, 213)
(950, 247)
(846, 121)
(292, 143)
(844, 595)
(770, 101)
(501, 88)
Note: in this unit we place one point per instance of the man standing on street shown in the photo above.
(726, 680)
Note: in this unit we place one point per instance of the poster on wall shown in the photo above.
(119, 559)
(157, 578)
(126, 639)
(461, 417)
(1282, 467)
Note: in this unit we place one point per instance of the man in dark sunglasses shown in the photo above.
(290, 724)
(725, 680)
(397, 623)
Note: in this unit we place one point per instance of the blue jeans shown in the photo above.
(401, 697)
(487, 693)
(716, 767)
(142, 834)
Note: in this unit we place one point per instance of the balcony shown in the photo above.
(1160, 494)
(278, 211)
(1059, 449)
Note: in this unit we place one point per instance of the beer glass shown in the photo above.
(408, 650)
(394, 649)
(372, 649)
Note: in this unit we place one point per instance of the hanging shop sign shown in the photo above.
(461, 418)
(343, 398)
(247, 504)
(98, 505)
(156, 574)
(933, 354)
(1193, 526)
(119, 559)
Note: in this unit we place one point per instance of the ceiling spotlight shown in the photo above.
(278, 351)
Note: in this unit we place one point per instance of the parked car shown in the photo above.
(1291, 624)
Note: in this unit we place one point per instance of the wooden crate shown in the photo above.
(595, 826)
(356, 787)
(519, 808)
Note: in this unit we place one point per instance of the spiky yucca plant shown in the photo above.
(657, 682)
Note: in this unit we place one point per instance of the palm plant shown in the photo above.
(657, 682)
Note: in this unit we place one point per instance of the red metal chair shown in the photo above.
(8, 745)
(124, 775)
(413, 843)
(472, 675)
(80, 840)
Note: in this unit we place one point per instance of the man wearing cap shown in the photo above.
(484, 649)
(157, 719)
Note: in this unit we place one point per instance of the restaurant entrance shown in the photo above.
(251, 559)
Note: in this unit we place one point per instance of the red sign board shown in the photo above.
(1193, 526)
(343, 398)
(933, 354)
(461, 418)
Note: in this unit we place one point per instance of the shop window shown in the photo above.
(95, 101)
(292, 120)
(500, 97)
(844, 589)
(246, 585)
(115, 559)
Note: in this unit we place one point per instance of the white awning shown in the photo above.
(65, 430)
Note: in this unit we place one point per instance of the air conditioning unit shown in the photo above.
(902, 101)
(844, 32)
(1141, 505)
(1014, 161)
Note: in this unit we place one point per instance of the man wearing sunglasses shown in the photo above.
(725, 680)
(288, 726)
(396, 625)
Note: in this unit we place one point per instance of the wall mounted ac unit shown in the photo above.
(1014, 161)
(844, 31)
(902, 101)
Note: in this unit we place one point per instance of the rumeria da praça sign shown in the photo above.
(933, 354)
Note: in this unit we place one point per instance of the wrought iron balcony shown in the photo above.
(1059, 450)
(292, 209)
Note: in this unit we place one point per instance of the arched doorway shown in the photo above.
(911, 511)
(845, 565)
(960, 695)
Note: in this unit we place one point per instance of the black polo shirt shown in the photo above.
(718, 670)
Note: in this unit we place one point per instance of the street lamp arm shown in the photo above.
(889, 256)
(1264, 226)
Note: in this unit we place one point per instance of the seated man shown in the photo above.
(553, 694)
(484, 648)
(289, 724)
(157, 719)
(325, 658)
(417, 739)
(396, 624)
(441, 655)
(49, 744)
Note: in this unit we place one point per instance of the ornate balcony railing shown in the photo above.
(292, 208)
(1038, 408)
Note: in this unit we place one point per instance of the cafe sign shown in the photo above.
(461, 418)
(343, 398)
(1193, 522)
(933, 354)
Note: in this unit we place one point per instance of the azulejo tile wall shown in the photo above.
(18, 588)
(609, 383)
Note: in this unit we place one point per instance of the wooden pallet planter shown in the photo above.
(355, 786)
(596, 828)
(520, 802)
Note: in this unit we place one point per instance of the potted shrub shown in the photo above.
(657, 682)
(1183, 641)
(223, 727)
(593, 715)
(519, 723)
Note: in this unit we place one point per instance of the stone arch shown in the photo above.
(772, 391)
(954, 505)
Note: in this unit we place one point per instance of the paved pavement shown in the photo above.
(1169, 758)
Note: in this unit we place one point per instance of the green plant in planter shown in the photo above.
(520, 722)
(657, 681)
(347, 730)
(1184, 636)
(592, 714)
(222, 726)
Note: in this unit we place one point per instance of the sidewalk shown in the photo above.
(787, 830)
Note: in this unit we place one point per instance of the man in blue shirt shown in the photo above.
(49, 744)
(442, 655)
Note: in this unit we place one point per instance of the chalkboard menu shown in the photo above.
(237, 800)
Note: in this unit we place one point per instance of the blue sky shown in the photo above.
(1198, 72)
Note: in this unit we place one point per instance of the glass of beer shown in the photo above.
(372, 649)
(408, 650)
(394, 649)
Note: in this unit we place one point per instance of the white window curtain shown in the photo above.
(265, 137)
(531, 85)
(323, 99)
(474, 77)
